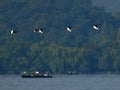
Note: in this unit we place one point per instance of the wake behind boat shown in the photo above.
(35, 74)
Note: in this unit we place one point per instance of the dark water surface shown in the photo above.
(61, 82)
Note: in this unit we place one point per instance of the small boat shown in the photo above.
(72, 73)
(35, 74)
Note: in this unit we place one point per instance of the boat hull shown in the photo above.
(27, 76)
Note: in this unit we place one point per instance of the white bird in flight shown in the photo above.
(41, 31)
(13, 32)
(69, 29)
(95, 27)
(35, 30)
(38, 30)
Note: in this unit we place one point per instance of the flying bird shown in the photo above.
(41, 31)
(35, 30)
(13, 32)
(69, 29)
(38, 31)
(96, 26)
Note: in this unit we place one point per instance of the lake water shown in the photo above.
(61, 82)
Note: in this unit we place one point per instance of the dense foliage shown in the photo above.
(84, 49)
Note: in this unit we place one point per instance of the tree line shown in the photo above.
(58, 51)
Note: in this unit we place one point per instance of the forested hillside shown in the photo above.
(109, 5)
(56, 50)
